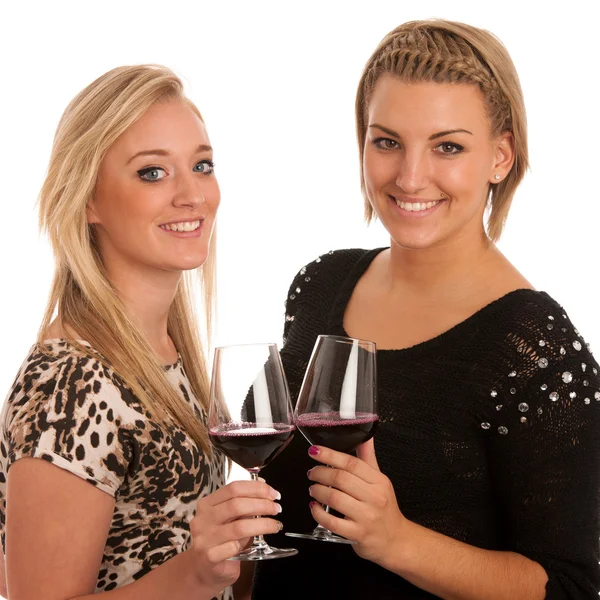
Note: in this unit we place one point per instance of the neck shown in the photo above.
(451, 270)
(147, 296)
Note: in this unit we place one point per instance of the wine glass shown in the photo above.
(337, 404)
(250, 417)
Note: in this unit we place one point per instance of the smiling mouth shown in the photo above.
(183, 226)
(414, 206)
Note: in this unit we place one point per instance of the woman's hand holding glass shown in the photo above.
(222, 527)
(356, 488)
(337, 404)
(250, 420)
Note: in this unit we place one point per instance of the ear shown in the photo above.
(91, 214)
(504, 156)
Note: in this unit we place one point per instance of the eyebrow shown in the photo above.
(162, 152)
(434, 136)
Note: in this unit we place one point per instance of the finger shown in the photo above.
(248, 528)
(366, 452)
(245, 542)
(346, 462)
(343, 481)
(343, 527)
(343, 503)
(222, 552)
(246, 489)
(237, 508)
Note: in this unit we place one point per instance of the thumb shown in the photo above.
(366, 452)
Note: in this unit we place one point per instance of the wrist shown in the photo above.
(403, 555)
(193, 580)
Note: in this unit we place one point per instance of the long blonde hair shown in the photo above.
(449, 52)
(81, 292)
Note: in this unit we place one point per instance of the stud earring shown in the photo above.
(496, 176)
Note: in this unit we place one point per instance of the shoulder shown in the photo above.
(543, 363)
(328, 270)
(534, 318)
(60, 379)
(46, 362)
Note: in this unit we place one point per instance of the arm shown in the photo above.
(436, 563)
(57, 526)
(3, 591)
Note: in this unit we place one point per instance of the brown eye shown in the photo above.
(385, 143)
(449, 148)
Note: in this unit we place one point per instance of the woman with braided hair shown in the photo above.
(483, 478)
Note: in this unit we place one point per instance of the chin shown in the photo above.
(186, 263)
(414, 240)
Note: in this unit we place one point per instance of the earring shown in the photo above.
(496, 176)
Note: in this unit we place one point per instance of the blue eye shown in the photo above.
(204, 166)
(449, 148)
(152, 174)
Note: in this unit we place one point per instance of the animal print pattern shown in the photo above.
(68, 408)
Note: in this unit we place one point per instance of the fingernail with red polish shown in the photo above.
(308, 473)
(311, 503)
(313, 451)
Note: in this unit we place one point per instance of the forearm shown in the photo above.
(453, 570)
(174, 579)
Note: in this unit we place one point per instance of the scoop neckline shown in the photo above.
(168, 367)
(336, 318)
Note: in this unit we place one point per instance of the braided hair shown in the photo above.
(442, 51)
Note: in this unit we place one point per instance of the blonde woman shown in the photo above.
(483, 480)
(107, 479)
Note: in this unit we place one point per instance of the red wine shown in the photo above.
(343, 435)
(250, 446)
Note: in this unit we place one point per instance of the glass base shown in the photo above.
(321, 534)
(264, 553)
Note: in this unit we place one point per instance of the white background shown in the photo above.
(275, 83)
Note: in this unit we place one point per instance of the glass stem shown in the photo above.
(259, 541)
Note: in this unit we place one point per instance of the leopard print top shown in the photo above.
(68, 408)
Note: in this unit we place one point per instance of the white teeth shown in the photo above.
(184, 226)
(416, 206)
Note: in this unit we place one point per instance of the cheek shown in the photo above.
(466, 177)
(214, 196)
(120, 204)
(377, 170)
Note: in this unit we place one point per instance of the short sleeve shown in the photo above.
(70, 412)
(545, 465)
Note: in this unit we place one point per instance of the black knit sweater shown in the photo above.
(489, 433)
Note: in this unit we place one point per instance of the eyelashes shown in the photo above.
(208, 167)
(151, 174)
(451, 146)
(154, 173)
(385, 143)
(444, 148)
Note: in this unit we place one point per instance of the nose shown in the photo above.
(414, 172)
(188, 192)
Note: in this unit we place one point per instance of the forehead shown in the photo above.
(171, 125)
(427, 106)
